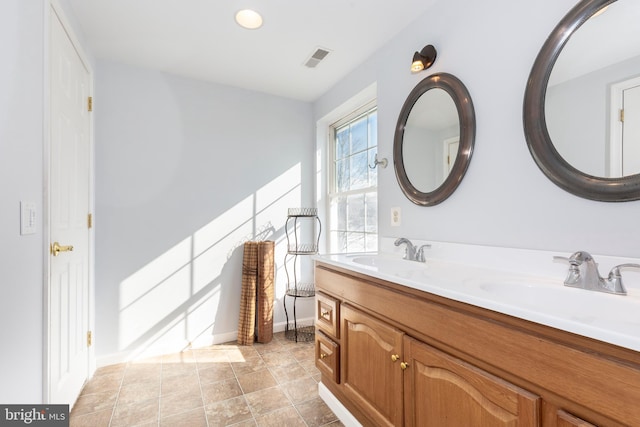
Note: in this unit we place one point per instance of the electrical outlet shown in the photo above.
(395, 217)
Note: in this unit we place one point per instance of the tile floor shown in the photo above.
(272, 384)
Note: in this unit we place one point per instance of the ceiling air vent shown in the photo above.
(316, 57)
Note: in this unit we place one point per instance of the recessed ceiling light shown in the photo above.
(249, 19)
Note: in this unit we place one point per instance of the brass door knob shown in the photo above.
(395, 357)
(404, 365)
(56, 248)
(322, 355)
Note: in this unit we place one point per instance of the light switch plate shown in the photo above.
(395, 217)
(27, 218)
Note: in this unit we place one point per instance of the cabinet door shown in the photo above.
(370, 366)
(442, 391)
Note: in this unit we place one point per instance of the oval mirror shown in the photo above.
(434, 139)
(581, 99)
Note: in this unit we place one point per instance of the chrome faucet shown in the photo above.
(583, 273)
(412, 253)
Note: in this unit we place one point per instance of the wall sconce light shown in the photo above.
(423, 59)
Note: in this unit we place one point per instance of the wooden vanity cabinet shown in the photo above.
(410, 358)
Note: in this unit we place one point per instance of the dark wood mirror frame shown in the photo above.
(552, 164)
(466, 114)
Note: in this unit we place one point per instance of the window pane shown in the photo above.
(359, 137)
(373, 129)
(342, 142)
(356, 212)
(359, 171)
(371, 223)
(342, 175)
(355, 242)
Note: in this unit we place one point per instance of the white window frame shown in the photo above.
(331, 175)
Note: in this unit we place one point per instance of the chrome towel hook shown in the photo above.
(377, 162)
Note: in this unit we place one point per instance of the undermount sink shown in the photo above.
(551, 296)
(528, 292)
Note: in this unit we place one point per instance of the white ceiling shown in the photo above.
(199, 38)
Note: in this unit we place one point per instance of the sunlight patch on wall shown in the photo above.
(192, 290)
(212, 242)
(153, 291)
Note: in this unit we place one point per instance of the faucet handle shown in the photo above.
(616, 270)
(615, 278)
(420, 253)
(573, 275)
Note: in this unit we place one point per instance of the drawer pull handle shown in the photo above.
(394, 357)
(323, 355)
(326, 314)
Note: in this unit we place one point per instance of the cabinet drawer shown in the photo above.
(327, 357)
(327, 315)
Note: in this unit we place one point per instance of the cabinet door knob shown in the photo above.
(404, 365)
(395, 357)
(323, 355)
(326, 314)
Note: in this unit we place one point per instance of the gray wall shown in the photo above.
(21, 178)
(185, 173)
(504, 199)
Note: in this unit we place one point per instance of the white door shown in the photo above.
(450, 153)
(631, 131)
(69, 206)
(624, 139)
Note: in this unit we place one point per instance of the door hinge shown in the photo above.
(89, 220)
(90, 103)
(89, 339)
(622, 115)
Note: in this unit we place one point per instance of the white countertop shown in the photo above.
(542, 298)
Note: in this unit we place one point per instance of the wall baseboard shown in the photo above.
(204, 340)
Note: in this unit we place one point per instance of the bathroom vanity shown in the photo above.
(395, 354)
